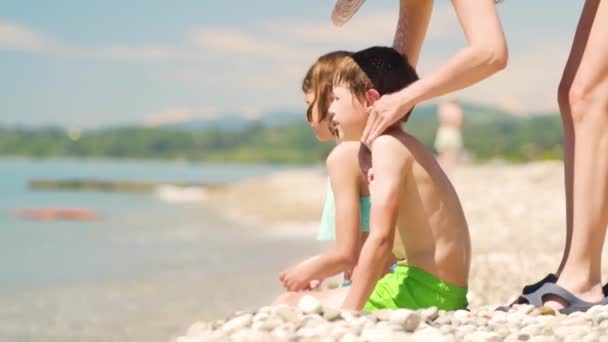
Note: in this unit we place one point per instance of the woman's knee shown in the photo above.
(586, 101)
(563, 97)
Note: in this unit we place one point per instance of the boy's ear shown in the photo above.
(372, 95)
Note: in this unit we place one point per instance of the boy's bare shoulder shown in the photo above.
(392, 145)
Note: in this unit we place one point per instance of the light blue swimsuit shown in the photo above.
(327, 228)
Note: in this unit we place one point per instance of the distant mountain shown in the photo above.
(231, 121)
(424, 114)
(473, 113)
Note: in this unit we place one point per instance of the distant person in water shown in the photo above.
(448, 141)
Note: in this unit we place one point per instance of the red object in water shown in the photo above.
(76, 214)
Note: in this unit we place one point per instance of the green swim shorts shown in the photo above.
(412, 288)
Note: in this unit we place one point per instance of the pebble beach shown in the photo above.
(516, 215)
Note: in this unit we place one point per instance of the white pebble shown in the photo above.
(408, 319)
(248, 335)
(309, 304)
(287, 313)
(379, 335)
(237, 323)
(198, 329)
(331, 314)
(350, 338)
(429, 334)
(429, 313)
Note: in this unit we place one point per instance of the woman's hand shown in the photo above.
(385, 112)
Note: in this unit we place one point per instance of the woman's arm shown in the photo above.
(344, 177)
(485, 54)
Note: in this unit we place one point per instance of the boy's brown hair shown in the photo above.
(319, 79)
(381, 68)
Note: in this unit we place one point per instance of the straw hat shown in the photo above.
(344, 10)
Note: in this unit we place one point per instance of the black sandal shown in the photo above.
(528, 289)
(575, 304)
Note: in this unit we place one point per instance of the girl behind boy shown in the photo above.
(345, 216)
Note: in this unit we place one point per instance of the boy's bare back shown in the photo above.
(430, 223)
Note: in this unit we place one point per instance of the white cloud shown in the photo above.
(23, 38)
(366, 29)
(530, 81)
(264, 66)
(19, 37)
(238, 44)
(145, 53)
(444, 23)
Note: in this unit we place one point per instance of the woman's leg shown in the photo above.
(583, 98)
(574, 61)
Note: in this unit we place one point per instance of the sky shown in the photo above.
(86, 64)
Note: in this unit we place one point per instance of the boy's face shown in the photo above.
(349, 114)
(320, 127)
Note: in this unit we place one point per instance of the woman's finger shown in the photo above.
(376, 130)
(379, 129)
(370, 122)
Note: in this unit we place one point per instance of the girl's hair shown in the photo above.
(318, 80)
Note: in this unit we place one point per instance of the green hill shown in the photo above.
(488, 134)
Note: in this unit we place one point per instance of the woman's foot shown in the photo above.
(585, 292)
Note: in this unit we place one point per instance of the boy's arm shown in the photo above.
(344, 177)
(389, 160)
